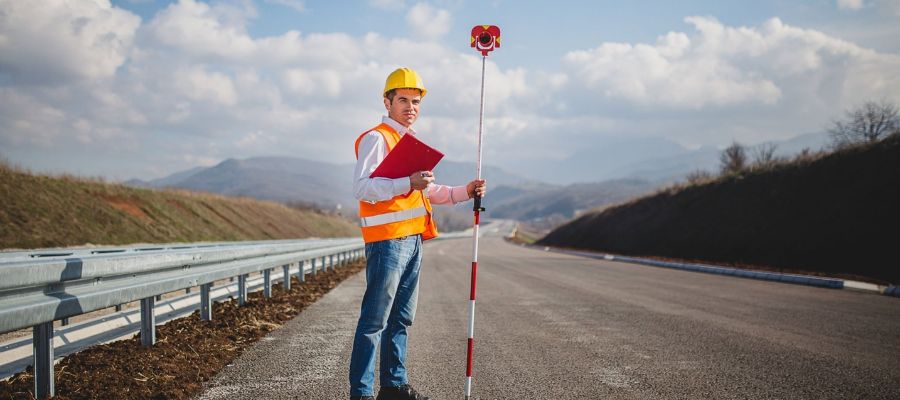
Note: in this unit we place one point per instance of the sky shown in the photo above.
(142, 89)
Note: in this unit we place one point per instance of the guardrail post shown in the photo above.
(242, 290)
(187, 291)
(118, 307)
(301, 274)
(330, 262)
(148, 322)
(64, 321)
(267, 283)
(313, 261)
(286, 277)
(42, 342)
(205, 302)
(159, 297)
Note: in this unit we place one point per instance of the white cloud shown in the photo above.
(721, 66)
(27, 121)
(200, 31)
(59, 41)
(296, 5)
(888, 6)
(387, 4)
(192, 85)
(427, 21)
(214, 87)
(850, 4)
(313, 82)
(891, 6)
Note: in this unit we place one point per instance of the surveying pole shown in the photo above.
(485, 38)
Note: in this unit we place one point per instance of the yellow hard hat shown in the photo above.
(403, 78)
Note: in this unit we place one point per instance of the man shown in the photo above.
(395, 216)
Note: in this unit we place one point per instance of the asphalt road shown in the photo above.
(556, 326)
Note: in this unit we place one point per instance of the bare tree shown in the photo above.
(865, 124)
(764, 155)
(733, 159)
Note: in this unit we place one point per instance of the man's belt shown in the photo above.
(391, 217)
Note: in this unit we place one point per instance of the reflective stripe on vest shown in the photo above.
(389, 218)
(402, 215)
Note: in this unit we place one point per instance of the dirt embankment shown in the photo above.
(44, 211)
(838, 214)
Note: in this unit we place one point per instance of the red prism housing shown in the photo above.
(485, 38)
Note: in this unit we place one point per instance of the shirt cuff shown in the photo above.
(401, 186)
(458, 194)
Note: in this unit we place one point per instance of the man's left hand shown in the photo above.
(477, 187)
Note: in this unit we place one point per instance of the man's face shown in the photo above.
(405, 107)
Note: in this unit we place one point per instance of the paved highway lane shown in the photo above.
(555, 326)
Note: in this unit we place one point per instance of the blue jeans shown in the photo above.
(388, 309)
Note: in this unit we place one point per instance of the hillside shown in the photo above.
(564, 202)
(836, 214)
(43, 211)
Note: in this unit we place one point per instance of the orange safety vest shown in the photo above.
(403, 215)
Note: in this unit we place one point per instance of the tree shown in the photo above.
(733, 159)
(764, 155)
(865, 124)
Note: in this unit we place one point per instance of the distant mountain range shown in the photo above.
(585, 181)
(653, 159)
(290, 179)
(563, 202)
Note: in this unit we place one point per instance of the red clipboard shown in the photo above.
(408, 156)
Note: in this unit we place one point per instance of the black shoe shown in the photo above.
(362, 398)
(402, 392)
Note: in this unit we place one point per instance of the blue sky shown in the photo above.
(142, 89)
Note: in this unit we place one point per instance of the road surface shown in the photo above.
(557, 326)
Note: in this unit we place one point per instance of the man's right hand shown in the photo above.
(419, 180)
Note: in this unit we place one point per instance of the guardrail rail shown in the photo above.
(42, 286)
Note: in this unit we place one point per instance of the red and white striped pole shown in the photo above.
(484, 38)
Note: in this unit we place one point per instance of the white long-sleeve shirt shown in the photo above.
(373, 150)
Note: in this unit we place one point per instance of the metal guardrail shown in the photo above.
(39, 287)
(16, 354)
(892, 291)
(20, 255)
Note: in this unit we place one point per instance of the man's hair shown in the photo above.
(393, 92)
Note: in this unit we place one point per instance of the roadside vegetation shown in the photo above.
(52, 211)
(528, 233)
(828, 212)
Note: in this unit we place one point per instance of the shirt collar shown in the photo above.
(402, 130)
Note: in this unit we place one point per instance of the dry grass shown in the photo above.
(52, 211)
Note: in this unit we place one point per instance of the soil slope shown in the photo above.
(44, 211)
(838, 214)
